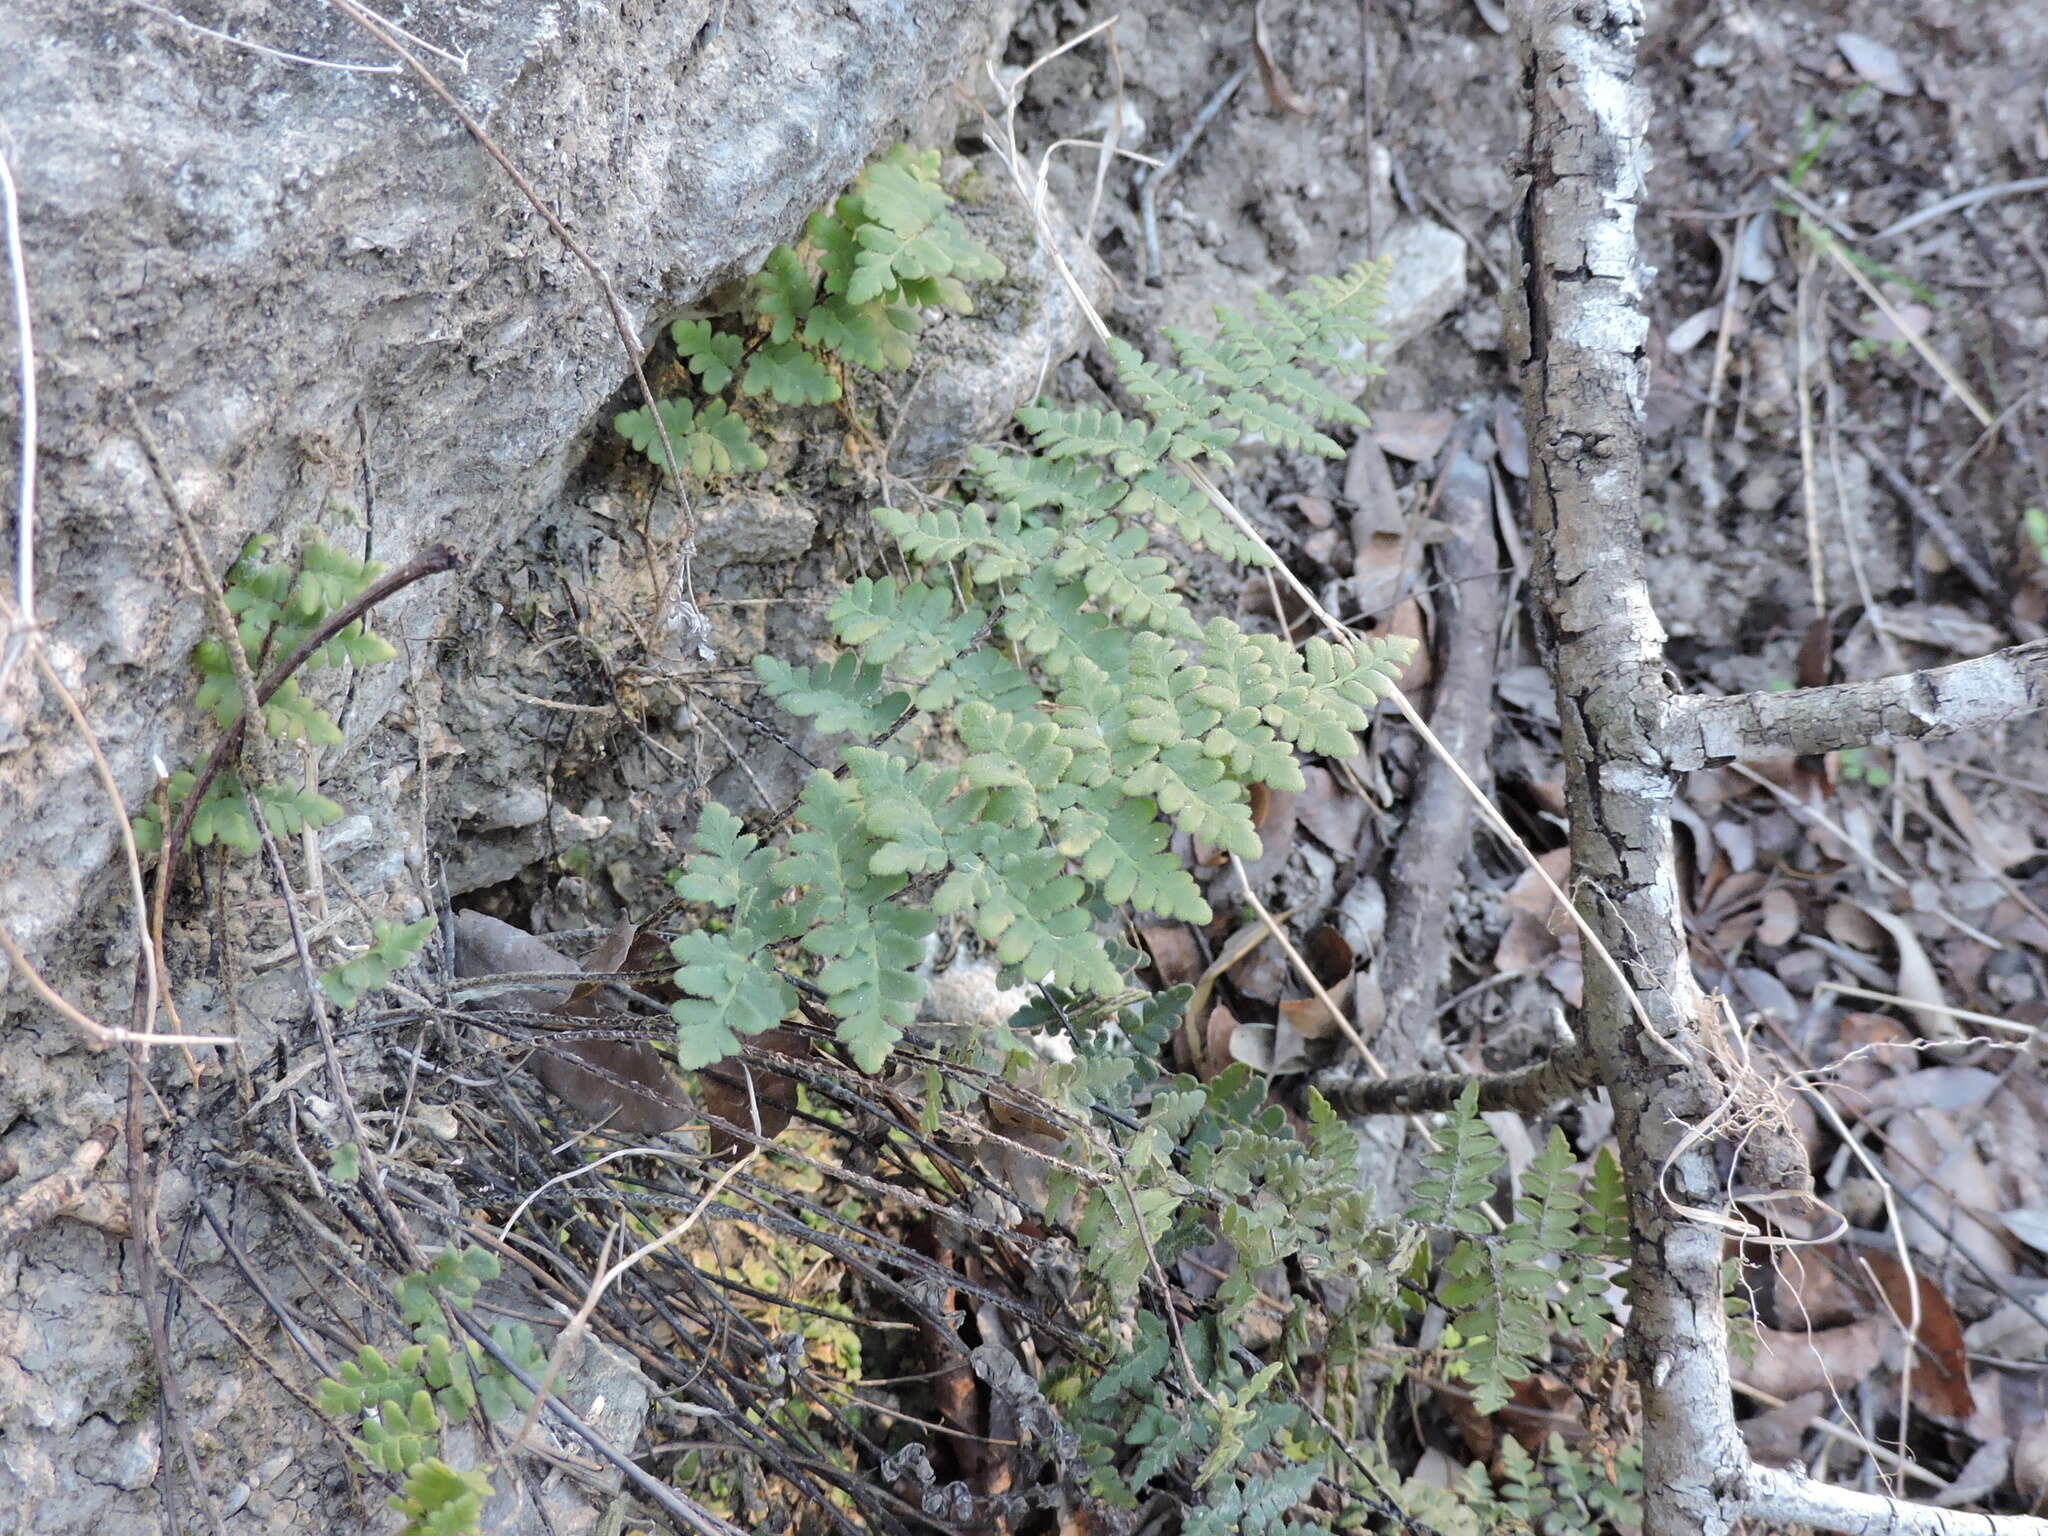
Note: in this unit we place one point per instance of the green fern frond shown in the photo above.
(1129, 447)
(711, 354)
(875, 336)
(909, 813)
(848, 697)
(784, 292)
(913, 630)
(1050, 620)
(1118, 577)
(992, 547)
(791, 373)
(872, 987)
(985, 674)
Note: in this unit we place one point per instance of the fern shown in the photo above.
(856, 291)
(397, 1406)
(1096, 718)
(277, 607)
(393, 946)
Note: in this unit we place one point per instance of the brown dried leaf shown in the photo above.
(1529, 894)
(1307, 1016)
(1329, 955)
(1850, 925)
(1369, 487)
(625, 1084)
(1175, 954)
(1828, 1360)
(1777, 1437)
(1239, 944)
(1218, 1031)
(750, 1095)
(1412, 435)
(1279, 89)
(1511, 437)
(1941, 1369)
(1524, 947)
(1331, 812)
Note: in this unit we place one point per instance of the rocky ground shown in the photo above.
(1847, 437)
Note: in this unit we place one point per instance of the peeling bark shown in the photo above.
(1583, 379)
(1579, 338)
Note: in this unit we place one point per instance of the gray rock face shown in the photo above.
(335, 315)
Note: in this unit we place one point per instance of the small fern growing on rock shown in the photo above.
(855, 291)
(276, 606)
(1095, 716)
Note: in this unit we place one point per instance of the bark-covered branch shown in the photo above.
(1580, 337)
(1415, 954)
(1581, 333)
(1913, 706)
(1787, 1499)
(1529, 1090)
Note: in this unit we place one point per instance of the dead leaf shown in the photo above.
(1239, 944)
(1307, 1016)
(1917, 982)
(1849, 924)
(1692, 330)
(1948, 1089)
(2030, 1226)
(1175, 954)
(1329, 954)
(1530, 894)
(1941, 1369)
(1944, 627)
(1777, 1437)
(1511, 437)
(1412, 435)
(1219, 1032)
(1408, 621)
(750, 1095)
(1331, 812)
(1780, 924)
(1929, 1157)
(1524, 947)
(625, 1084)
(1280, 90)
(1830, 1360)
(1369, 487)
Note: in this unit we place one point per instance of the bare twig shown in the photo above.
(1148, 180)
(25, 348)
(263, 49)
(1786, 1498)
(101, 1035)
(1922, 506)
(1559, 1078)
(1959, 202)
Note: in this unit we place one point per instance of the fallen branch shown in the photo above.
(1912, 706)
